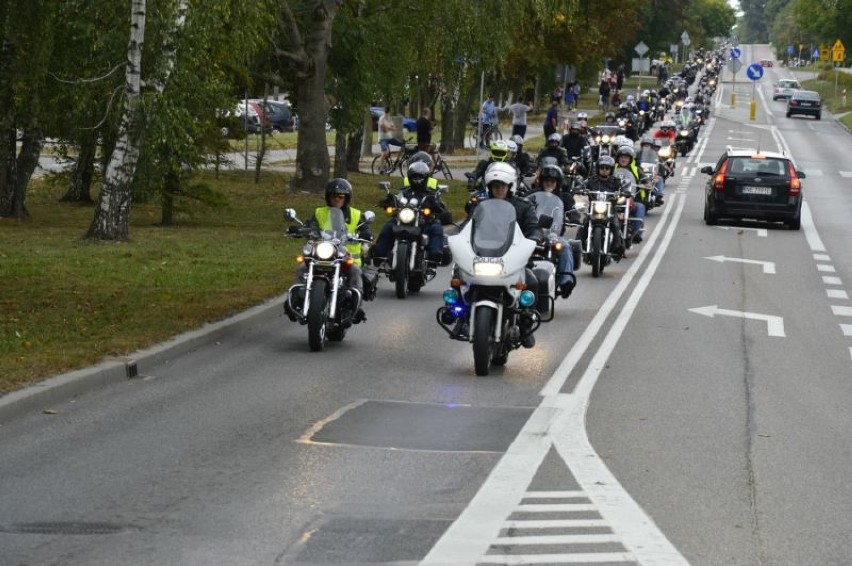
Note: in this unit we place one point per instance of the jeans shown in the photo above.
(661, 185)
(564, 263)
(384, 243)
(637, 218)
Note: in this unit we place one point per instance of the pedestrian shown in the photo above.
(551, 120)
(569, 97)
(557, 95)
(604, 92)
(519, 112)
(577, 94)
(619, 77)
(424, 131)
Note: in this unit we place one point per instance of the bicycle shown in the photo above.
(490, 132)
(396, 160)
(440, 165)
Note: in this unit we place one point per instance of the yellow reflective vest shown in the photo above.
(324, 222)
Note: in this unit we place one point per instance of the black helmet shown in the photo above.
(422, 157)
(338, 187)
(606, 161)
(418, 175)
(551, 172)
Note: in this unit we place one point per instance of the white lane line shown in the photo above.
(825, 268)
(836, 294)
(846, 174)
(850, 351)
(841, 311)
(814, 173)
(831, 280)
(585, 558)
(847, 329)
(811, 234)
(822, 257)
(558, 539)
(554, 523)
(768, 266)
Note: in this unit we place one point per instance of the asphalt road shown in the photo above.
(638, 430)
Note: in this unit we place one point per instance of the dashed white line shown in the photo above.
(841, 311)
(822, 257)
(587, 558)
(831, 280)
(836, 294)
(847, 329)
(846, 174)
(825, 268)
(554, 523)
(560, 539)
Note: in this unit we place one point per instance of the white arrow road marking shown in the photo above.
(774, 324)
(768, 266)
(761, 232)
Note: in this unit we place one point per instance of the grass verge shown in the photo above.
(68, 303)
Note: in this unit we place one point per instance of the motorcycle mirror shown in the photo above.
(385, 185)
(289, 214)
(443, 188)
(369, 215)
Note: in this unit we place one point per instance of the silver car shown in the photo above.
(785, 88)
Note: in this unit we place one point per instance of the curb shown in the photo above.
(40, 396)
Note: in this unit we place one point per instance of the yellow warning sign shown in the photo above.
(838, 52)
(824, 53)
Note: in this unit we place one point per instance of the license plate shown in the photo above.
(757, 190)
(806, 103)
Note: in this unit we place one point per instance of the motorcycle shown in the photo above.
(667, 160)
(489, 303)
(409, 267)
(646, 190)
(322, 302)
(602, 208)
(551, 213)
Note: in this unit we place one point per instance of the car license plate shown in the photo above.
(757, 190)
(806, 104)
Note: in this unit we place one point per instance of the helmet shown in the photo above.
(606, 161)
(658, 143)
(646, 139)
(610, 117)
(338, 187)
(513, 147)
(583, 116)
(554, 138)
(501, 172)
(519, 141)
(575, 126)
(667, 125)
(422, 157)
(625, 150)
(499, 151)
(690, 100)
(646, 92)
(630, 98)
(418, 175)
(551, 172)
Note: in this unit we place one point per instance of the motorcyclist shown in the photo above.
(498, 152)
(551, 179)
(667, 131)
(417, 186)
(603, 180)
(522, 161)
(575, 144)
(338, 194)
(424, 157)
(648, 154)
(624, 159)
(553, 149)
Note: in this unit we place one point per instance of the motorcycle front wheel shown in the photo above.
(482, 347)
(401, 270)
(317, 315)
(597, 251)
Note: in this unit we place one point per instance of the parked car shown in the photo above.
(748, 183)
(766, 62)
(785, 88)
(805, 102)
(278, 115)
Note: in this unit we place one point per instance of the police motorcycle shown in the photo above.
(489, 303)
(602, 208)
(322, 301)
(408, 266)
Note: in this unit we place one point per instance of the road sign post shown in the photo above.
(734, 65)
(755, 73)
(640, 49)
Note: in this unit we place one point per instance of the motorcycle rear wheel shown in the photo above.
(597, 251)
(317, 315)
(401, 270)
(482, 346)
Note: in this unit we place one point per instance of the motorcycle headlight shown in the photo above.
(307, 249)
(599, 207)
(413, 202)
(487, 269)
(406, 216)
(684, 133)
(402, 200)
(325, 250)
(665, 152)
(604, 139)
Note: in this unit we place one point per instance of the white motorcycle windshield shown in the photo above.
(627, 178)
(336, 227)
(493, 228)
(648, 156)
(550, 205)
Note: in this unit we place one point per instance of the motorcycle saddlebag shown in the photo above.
(370, 278)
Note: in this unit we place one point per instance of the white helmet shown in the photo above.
(503, 172)
(513, 147)
(646, 92)
(582, 116)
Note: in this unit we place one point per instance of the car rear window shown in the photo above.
(757, 166)
(806, 95)
(788, 84)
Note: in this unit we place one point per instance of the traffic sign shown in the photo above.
(684, 38)
(838, 52)
(734, 65)
(673, 48)
(815, 54)
(735, 53)
(824, 53)
(641, 48)
(754, 71)
(790, 50)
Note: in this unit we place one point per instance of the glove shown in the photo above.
(294, 229)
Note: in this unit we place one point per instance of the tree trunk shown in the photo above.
(261, 151)
(172, 188)
(340, 155)
(448, 115)
(79, 188)
(353, 151)
(112, 214)
(367, 134)
(27, 161)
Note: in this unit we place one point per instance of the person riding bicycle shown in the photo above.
(417, 185)
(338, 194)
(387, 138)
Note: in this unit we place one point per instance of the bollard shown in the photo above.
(752, 110)
(733, 99)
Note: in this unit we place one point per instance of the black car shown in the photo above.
(279, 115)
(754, 184)
(805, 102)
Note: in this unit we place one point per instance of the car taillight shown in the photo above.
(794, 103)
(795, 183)
(719, 180)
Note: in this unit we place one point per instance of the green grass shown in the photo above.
(68, 303)
(824, 84)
